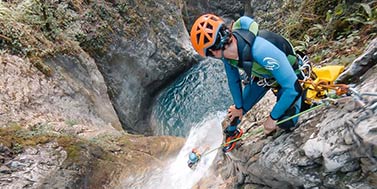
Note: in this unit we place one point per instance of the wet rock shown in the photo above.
(350, 167)
(3, 148)
(348, 139)
(313, 148)
(366, 130)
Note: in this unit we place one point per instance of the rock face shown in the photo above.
(361, 64)
(71, 97)
(231, 9)
(333, 148)
(61, 130)
(46, 159)
(32, 166)
(64, 135)
(136, 68)
(136, 47)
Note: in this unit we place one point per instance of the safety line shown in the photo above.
(287, 119)
(259, 129)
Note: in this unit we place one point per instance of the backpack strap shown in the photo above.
(248, 36)
(245, 42)
(280, 42)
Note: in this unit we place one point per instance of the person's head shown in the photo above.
(210, 36)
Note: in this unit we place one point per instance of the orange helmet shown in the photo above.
(204, 33)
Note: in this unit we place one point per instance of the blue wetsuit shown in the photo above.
(275, 61)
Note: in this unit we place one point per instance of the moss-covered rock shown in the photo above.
(74, 162)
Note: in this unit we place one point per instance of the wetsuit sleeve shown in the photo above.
(274, 60)
(234, 83)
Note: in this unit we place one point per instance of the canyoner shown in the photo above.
(267, 61)
(320, 90)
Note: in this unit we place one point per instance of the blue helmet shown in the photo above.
(193, 157)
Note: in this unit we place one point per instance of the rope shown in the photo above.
(368, 94)
(321, 86)
(324, 103)
(261, 129)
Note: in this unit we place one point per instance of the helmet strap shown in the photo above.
(222, 54)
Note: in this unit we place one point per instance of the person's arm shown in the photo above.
(274, 60)
(234, 83)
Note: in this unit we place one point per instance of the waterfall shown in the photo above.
(176, 174)
(193, 107)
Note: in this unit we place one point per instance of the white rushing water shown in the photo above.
(176, 174)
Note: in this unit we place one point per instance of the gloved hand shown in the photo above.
(269, 126)
(233, 112)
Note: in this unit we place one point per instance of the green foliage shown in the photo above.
(51, 18)
(333, 31)
(41, 28)
(303, 45)
(318, 30)
(366, 15)
(73, 152)
(39, 129)
(33, 28)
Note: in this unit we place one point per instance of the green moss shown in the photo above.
(79, 150)
(72, 146)
(73, 152)
(16, 138)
